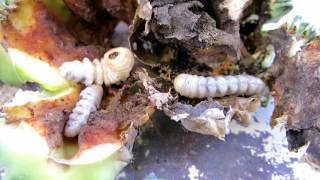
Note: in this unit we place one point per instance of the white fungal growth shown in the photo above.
(114, 67)
(89, 102)
(193, 86)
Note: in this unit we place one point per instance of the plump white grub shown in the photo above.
(113, 68)
(89, 102)
(193, 86)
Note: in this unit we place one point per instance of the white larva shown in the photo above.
(89, 102)
(193, 86)
(114, 67)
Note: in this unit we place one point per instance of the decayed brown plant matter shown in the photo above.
(168, 37)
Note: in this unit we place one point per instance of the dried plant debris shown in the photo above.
(181, 26)
(91, 10)
(243, 107)
(210, 117)
(125, 110)
(297, 98)
(300, 79)
(207, 117)
(193, 38)
(312, 155)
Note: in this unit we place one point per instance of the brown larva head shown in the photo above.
(118, 57)
(113, 55)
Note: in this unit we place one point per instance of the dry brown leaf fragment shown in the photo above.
(297, 89)
(192, 28)
(297, 98)
(182, 26)
(207, 117)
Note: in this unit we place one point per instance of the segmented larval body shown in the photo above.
(193, 86)
(114, 67)
(89, 102)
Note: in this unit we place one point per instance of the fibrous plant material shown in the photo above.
(175, 34)
(193, 86)
(206, 117)
(163, 30)
(89, 102)
(297, 101)
(114, 67)
(299, 79)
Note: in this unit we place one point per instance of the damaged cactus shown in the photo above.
(298, 18)
(40, 36)
(193, 70)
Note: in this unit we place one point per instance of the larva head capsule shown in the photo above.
(117, 64)
(179, 83)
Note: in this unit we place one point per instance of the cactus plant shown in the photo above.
(300, 23)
